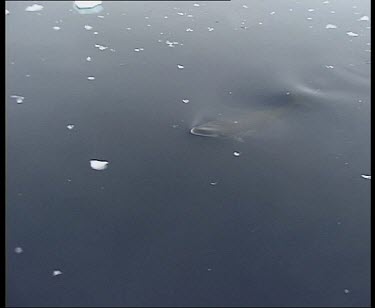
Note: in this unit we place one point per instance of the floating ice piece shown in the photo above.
(100, 47)
(346, 291)
(330, 26)
(329, 66)
(87, 4)
(70, 126)
(190, 15)
(311, 10)
(87, 27)
(196, 4)
(56, 273)
(236, 153)
(19, 99)
(56, 28)
(7, 12)
(210, 29)
(273, 13)
(213, 183)
(185, 101)
(189, 30)
(91, 78)
(365, 176)
(88, 59)
(181, 67)
(326, 2)
(181, 14)
(245, 6)
(18, 250)
(34, 8)
(98, 164)
(352, 34)
(364, 18)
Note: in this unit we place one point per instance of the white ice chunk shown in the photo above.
(185, 101)
(34, 8)
(87, 4)
(330, 26)
(56, 273)
(180, 66)
(365, 176)
(19, 99)
(352, 34)
(98, 164)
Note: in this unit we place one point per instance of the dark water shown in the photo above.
(178, 219)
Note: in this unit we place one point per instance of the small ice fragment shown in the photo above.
(96, 32)
(185, 101)
(330, 26)
(57, 272)
(100, 47)
(91, 78)
(190, 15)
(329, 66)
(181, 14)
(180, 66)
(34, 8)
(352, 34)
(6, 12)
(18, 250)
(309, 18)
(88, 59)
(346, 291)
(245, 6)
(189, 30)
(141, 49)
(19, 99)
(136, 49)
(56, 28)
(210, 29)
(209, 269)
(87, 27)
(98, 164)
(325, 2)
(311, 10)
(70, 126)
(235, 153)
(213, 183)
(364, 18)
(365, 176)
(196, 4)
(272, 13)
(87, 4)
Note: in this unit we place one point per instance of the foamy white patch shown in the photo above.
(98, 164)
(34, 8)
(87, 4)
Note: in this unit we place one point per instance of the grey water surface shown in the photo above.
(112, 201)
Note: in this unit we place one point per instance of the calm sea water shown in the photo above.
(177, 219)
